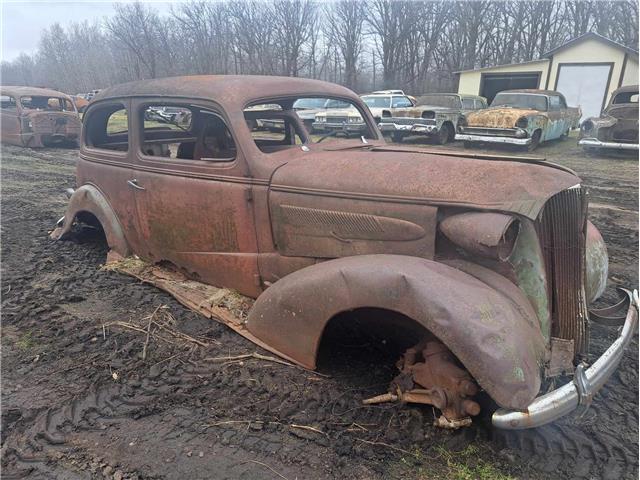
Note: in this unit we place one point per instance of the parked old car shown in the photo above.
(520, 117)
(435, 115)
(349, 121)
(488, 263)
(37, 117)
(617, 127)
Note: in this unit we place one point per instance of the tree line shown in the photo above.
(371, 44)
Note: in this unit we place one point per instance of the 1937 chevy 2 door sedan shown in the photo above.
(37, 117)
(491, 261)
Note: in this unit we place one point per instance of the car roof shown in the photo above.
(229, 90)
(532, 90)
(626, 88)
(19, 91)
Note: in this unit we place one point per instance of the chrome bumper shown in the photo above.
(580, 391)
(491, 139)
(595, 143)
(341, 127)
(417, 128)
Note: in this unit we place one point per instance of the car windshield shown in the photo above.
(44, 102)
(336, 104)
(626, 97)
(521, 100)
(377, 101)
(310, 103)
(447, 101)
(287, 123)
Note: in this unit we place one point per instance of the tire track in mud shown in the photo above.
(61, 396)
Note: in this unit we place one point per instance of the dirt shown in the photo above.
(79, 401)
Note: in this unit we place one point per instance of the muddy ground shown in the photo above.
(80, 402)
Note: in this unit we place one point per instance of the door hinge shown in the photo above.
(248, 194)
(257, 280)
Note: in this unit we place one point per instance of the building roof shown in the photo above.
(230, 90)
(570, 43)
(18, 91)
(540, 60)
(590, 36)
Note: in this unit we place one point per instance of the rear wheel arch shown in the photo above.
(89, 202)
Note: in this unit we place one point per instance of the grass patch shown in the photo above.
(26, 341)
(467, 465)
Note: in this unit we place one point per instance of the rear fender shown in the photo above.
(89, 199)
(482, 317)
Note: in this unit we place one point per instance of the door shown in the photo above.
(493, 83)
(193, 194)
(10, 120)
(584, 85)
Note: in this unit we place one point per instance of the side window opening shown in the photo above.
(107, 128)
(7, 102)
(186, 132)
(401, 102)
(467, 104)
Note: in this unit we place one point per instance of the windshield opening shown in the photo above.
(44, 102)
(447, 101)
(521, 100)
(291, 122)
(377, 101)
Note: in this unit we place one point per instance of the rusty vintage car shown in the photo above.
(617, 127)
(37, 117)
(520, 117)
(488, 263)
(435, 115)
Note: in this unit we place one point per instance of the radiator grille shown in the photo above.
(561, 228)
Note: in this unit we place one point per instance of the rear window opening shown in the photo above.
(107, 128)
(46, 103)
(285, 123)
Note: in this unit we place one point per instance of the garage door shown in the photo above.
(493, 83)
(584, 86)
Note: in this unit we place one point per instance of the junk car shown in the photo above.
(617, 127)
(349, 121)
(435, 115)
(489, 262)
(37, 117)
(520, 117)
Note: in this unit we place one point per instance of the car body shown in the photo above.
(489, 260)
(349, 120)
(38, 117)
(617, 127)
(520, 117)
(435, 115)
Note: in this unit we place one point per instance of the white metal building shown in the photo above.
(585, 70)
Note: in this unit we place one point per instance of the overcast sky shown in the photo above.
(23, 21)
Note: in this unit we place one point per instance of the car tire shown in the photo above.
(535, 141)
(445, 134)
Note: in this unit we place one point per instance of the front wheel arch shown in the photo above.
(495, 335)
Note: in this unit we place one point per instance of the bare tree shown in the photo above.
(345, 22)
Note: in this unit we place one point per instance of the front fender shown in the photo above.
(89, 199)
(488, 325)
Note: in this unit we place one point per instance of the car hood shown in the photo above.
(624, 111)
(499, 117)
(392, 174)
(418, 110)
(340, 112)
